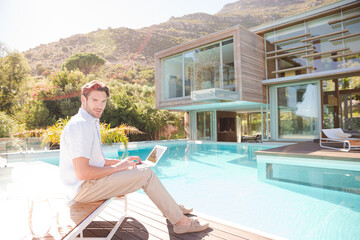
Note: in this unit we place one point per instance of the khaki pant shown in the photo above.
(129, 181)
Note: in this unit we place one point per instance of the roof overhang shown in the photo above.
(238, 106)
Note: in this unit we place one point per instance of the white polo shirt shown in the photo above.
(80, 138)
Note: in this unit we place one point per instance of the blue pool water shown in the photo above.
(221, 180)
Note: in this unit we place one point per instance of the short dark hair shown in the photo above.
(94, 85)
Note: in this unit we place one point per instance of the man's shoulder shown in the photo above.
(77, 121)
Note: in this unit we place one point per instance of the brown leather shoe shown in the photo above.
(195, 226)
(185, 210)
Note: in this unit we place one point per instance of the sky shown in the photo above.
(25, 24)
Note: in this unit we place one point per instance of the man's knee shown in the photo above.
(148, 172)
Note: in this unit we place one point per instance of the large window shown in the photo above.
(323, 44)
(172, 77)
(210, 66)
(204, 125)
(298, 111)
(353, 43)
(228, 65)
(207, 67)
(341, 103)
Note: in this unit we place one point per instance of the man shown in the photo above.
(89, 176)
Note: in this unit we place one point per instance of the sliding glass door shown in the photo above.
(297, 114)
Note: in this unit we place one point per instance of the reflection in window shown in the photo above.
(203, 122)
(330, 104)
(298, 111)
(189, 71)
(353, 25)
(228, 65)
(320, 27)
(207, 67)
(210, 66)
(172, 77)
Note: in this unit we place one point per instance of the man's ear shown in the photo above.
(83, 100)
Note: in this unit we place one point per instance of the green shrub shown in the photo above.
(39, 116)
(7, 125)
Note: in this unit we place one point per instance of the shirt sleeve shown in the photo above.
(81, 139)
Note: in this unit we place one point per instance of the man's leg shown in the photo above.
(129, 181)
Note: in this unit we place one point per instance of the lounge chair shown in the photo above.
(335, 136)
(84, 213)
(254, 138)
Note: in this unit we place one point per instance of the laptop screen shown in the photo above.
(155, 154)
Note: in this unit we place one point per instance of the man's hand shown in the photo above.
(128, 163)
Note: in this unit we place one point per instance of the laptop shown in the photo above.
(153, 157)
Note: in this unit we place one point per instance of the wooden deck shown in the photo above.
(311, 150)
(145, 221)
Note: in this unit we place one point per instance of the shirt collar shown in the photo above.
(87, 116)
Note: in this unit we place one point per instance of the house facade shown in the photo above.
(283, 81)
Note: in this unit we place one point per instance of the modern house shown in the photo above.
(285, 80)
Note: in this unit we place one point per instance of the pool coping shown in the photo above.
(310, 150)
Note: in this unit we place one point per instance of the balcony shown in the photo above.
(214, 95)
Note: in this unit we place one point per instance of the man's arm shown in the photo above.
(84, 171)
(109, 162)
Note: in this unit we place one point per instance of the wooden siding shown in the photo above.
(252, 68)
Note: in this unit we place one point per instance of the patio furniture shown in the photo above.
(336, 136)
(254, 138)
(84, 214)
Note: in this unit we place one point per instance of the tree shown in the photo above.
(85, 62)
(3, 50)
(14, 71)
(135, 105)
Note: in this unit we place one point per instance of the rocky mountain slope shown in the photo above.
(126, 46)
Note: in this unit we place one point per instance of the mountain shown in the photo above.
(126, 46)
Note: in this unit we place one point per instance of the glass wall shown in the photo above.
(228, 65)
(251, 123)
(210, 66)
(330, 104)
(286, 61)
(172, 78)
(320, 27)
(353, 43)
(341, 103)
(189, 66)
(298, 112)
(204, 125)
(324, 44)
(207, 67)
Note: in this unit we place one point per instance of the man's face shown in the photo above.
(95, 103)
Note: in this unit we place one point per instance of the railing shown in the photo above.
(20, 145)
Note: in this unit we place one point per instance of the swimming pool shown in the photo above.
(221, 180)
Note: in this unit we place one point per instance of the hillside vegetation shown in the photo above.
(129, 47)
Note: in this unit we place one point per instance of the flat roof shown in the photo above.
(301, 16)
(222, 106)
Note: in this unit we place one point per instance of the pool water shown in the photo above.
(221, 180)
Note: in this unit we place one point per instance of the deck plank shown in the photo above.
(145, 221)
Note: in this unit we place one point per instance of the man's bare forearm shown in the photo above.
(109, 162)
